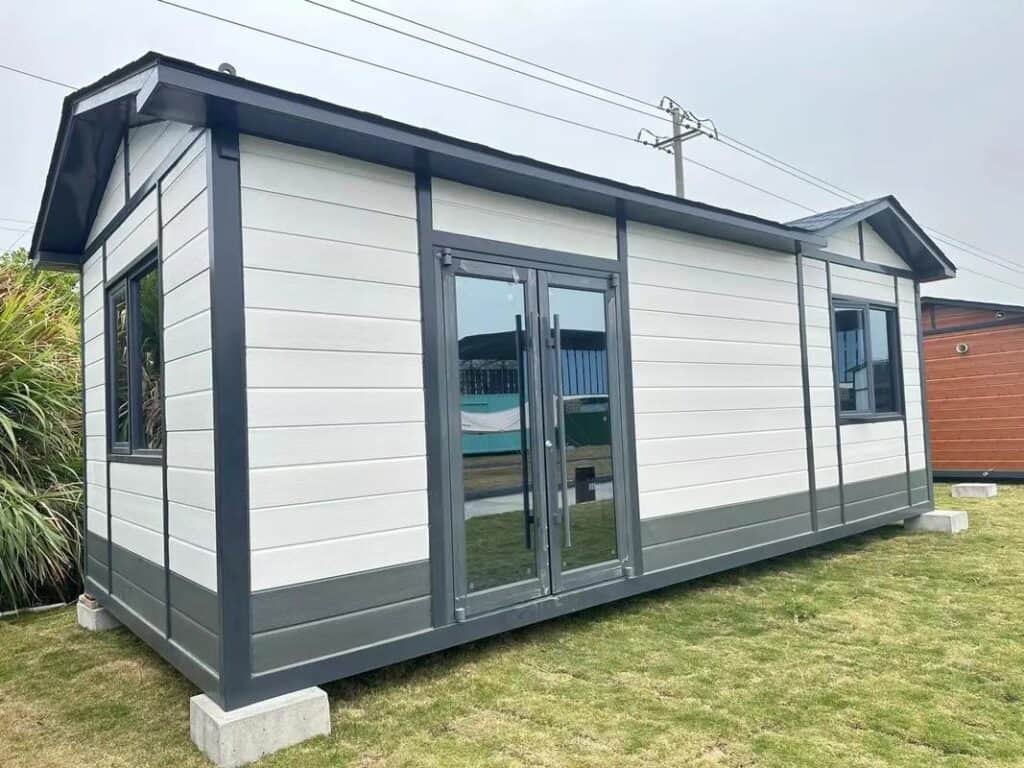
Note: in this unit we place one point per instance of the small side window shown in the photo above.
(135, 373)
(867, 363)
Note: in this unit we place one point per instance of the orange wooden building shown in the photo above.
(974, 364)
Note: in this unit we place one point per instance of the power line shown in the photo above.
(36, 77)
(730, 141)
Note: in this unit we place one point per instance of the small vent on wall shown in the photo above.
(962, 348)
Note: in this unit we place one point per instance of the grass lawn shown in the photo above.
(888, 649)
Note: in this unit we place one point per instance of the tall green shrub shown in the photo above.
(40, 431)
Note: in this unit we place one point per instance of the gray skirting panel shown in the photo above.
(689, 537)
(139, 585)
(302, 622)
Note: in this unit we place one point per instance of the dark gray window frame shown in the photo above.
(126, 284)
(839, 303)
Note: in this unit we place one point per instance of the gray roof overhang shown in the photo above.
(94, 120)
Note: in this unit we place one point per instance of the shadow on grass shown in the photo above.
(440, 664)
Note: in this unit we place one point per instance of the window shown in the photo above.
(866, 360)
(136, 362)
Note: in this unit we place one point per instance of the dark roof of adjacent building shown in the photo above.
(94, 120)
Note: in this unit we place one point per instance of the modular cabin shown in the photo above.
(974, 365)
(357, 391)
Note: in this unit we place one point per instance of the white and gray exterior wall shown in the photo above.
(296, 528)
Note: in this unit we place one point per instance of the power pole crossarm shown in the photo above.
(685, 126)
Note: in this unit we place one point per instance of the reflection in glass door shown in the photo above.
(533, 422)
(582, 483)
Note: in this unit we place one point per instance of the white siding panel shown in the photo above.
(189, 260)
(92, 272)
(660, 477)
(191, 411)
(314, 218)
(658, 503)
(187, 299)
(647, 348)
(667, 374)
(686, 399)
(136, 235)
(190, 450)
(144, 511)
(97, 489)
(324, 559)
(188, 374)
(194, 563)
(93, 302)
(142, 541)
(279, 486)
(311, 407)
(276, 527)
(184, 181)
(148, 146)
(194, 525)
(695, 423)
(679, 324)
(869, 470)
(845, 242)
(187, 337)
(194, 487)
(305, 368)
(862, 284)
(330, 258)
(481, 213)
(314, 293)
(288, 446)
(96, 522)
(189, 224)
(292, 330)
(144, 479)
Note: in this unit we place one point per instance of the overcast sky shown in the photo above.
(918, 99)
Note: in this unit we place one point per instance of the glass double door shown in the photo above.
(534, 424)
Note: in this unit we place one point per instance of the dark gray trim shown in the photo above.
(847, 261)
(932, 301)
(193, 637)
(231, 461)
(149, 607)
(151, 459)
(195, 601)
(142, 572)
(539, 258)
(108, 437)
(83, 552)
(864, 490)
(163, 398)
(298, 644)
(126, 170)
(323, 599)
(896, 365)
(399, 649)
(835, 389)
(978, 474)
(829, 497)
(175, 655)
(636, 566)
(700, 522)
(903, 388)
(97, 547)
(435, 385)
(133, 202)
(918, 478)
(924, 391)
(869, 418)
(860, 239)
(805, 376)
(877, 505)
(974, 326)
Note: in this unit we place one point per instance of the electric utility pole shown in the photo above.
(685, 126)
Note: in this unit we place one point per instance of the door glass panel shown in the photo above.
(495, 418)
(583, 427)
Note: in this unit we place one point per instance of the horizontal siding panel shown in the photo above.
(877, 449)
(656, 425)
(285, 252)
(660, 298)
(283, 213)
(706, 279)
(324, 482)
(299, 330)
(667, 502)
(311, 407)
(140, 235)
(184, 181)
(305, 368)
(867, 470)
(734, 353)
(681, 398)
(669, 324)
(325, 559)
(143, 164)
(189, 374)
(191, 411)
(192, 525)
(289, 446)
(329, 295)
(331, 181)
(650, 374)
(187, 299)
(138, 540)
(93, 302)
(113, 196)
(144, 511)
(193, 487)
(717, 446)
(481, 213)
(683, 474)
(143, 479)
(188, 225)
(195, 564)
(188, 337)
(190, 450)
(871, 432)
(305, 523)
(257, 146)
(187, 262)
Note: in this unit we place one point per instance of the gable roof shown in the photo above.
(894, 225)
(94, 120)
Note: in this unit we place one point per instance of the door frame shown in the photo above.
(447, 578)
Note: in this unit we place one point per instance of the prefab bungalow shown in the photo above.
(356, 391)
(974, 363)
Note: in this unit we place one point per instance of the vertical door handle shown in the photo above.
(564, 470)
(525, 474)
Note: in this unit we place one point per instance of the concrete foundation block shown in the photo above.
(939, 521)
(975, 490)
(244, 735)
(93, 616)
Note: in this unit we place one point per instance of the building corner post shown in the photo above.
(230, 418)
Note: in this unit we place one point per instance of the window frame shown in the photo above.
(127, 285)
(871, 414)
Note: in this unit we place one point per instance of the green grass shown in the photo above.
(888, 649)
